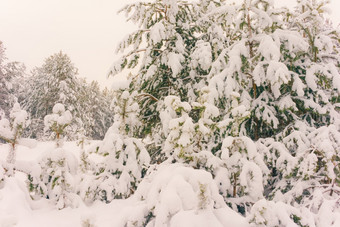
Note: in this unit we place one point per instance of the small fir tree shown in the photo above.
(56, 179)
(125, 157)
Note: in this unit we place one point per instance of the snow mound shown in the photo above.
(14, 202)
(176, 195)
(57, 178)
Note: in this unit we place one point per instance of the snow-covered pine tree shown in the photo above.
(188, 141)
(56, 179)
(10, 132)
(125, 159)
(276, 88)
(57, 122)
(54, 82)
(182, 55)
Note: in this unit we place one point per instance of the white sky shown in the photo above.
(86, 30)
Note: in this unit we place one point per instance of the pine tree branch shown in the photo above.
(150, 96)
(6, 139)
(140, 50)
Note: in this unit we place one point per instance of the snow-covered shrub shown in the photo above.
(278, 214)
(177, 195)
(57, 122)
(124, 164)
(125, 159)
(11, 130)
(85, 163)
(56, 179)
(305, 171)
(246, 172)
(189, 140)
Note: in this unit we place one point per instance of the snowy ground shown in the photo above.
(18, 209)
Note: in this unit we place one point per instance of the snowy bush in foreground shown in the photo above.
(10, 131)
(56, 180)
(245, 174)
(125, 159)
(58, 168)
(279, 214)
(176, 195)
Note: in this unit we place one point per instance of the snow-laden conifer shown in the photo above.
(56, 178)
(255, 87)
(125, 158)
(57, 122)
(54, 82)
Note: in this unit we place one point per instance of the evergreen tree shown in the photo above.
(54, 82)
(57, 82)
(57, 122)
(247, 92)
(125, 157)
(58, 167)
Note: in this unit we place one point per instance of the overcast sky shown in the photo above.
(86, 30)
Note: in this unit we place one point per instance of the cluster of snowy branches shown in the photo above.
(232, 108)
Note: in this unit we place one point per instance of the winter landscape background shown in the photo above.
(220, 113)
